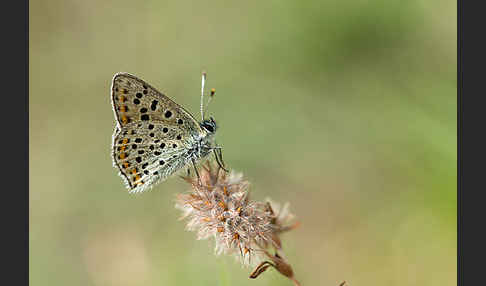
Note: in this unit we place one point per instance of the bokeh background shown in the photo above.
(345, 109)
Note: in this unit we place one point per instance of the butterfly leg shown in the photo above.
(220, 151)
(218, 155)
(195, 169)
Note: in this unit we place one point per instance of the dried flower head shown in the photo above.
(219, 206)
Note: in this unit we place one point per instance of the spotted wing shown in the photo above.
(151, 129)
(148, 152)
(134, 100)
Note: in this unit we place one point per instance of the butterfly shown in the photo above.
(155, 137)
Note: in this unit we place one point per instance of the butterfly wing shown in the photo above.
(135, 100)
(153, 135)
(147, 153)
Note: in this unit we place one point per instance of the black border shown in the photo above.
(15, 134)
(471, 237)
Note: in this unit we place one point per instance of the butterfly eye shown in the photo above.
(209, 125)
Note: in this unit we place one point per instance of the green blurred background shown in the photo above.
(346, 109)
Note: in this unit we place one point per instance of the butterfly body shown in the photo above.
(154, 137)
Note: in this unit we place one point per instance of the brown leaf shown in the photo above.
(282, 266)
(260, 269)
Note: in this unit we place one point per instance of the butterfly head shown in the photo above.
(209, 125)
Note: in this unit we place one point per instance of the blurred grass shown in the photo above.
(345, 109)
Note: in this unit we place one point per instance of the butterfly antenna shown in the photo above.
(203, 82)
(211, 95)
